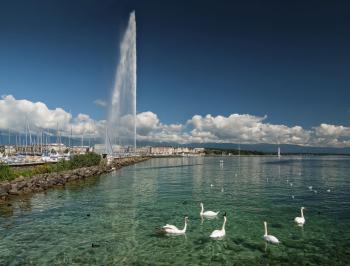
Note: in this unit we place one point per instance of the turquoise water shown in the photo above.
(112, 219)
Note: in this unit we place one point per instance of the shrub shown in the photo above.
(84, 160)
(62, 165)
(42, 169)
(6, 172)
(25, 172)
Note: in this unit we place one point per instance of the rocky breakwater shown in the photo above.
(41, 182)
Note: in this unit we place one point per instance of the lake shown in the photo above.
(115, 218)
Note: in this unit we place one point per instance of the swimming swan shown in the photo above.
(219, 233)
(207, 214)
(270, 238)
(300, 220)
(173, 230)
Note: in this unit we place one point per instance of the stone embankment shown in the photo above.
(41, 182)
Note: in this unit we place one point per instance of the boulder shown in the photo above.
(4, 189)
(14, 189)
(21, 185)
(26, 190)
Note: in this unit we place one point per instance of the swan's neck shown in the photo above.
(302, 213)
(265, 229)
(223, 225)
(185, 227)
(202, 209)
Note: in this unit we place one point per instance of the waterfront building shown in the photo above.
(162, 151)
(146, 150)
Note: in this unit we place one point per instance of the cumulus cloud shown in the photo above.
(146, 122)
(244, 128)
(240, 128)
(331, 135)
(100, 103)
(326, 130)
(149, 128)
(16, 114)
(235, 128)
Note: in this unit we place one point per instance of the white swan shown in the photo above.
(219, 233)
(270, 238)
(300, 220)
(208, 214)
(173, 230)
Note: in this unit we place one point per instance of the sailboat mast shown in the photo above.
(70, 136)
(30, 134)
(26, 141)
(89, 130)
(41, 141)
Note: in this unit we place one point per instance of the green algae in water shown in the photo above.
(113, 219)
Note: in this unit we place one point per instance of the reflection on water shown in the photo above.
(113, 218)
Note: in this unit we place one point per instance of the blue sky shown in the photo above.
(288, 61)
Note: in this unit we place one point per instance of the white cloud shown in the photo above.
(326, 130)
(100, 103)
(245, 129)
(14, 114)
(146, 122)
(331, 135)
(235, 128)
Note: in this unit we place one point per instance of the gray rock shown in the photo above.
(13, 190)
(4, 189)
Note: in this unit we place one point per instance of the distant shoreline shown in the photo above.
(237, 152)
(282, 155)
(255, 155)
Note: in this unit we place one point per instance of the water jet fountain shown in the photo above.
(121, 121)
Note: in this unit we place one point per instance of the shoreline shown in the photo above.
(42, 182)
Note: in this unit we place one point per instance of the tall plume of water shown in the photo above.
(121, 122)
